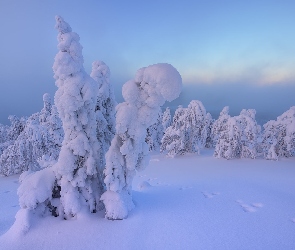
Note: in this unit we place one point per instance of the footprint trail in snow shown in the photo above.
(249, 208)
(210, 195)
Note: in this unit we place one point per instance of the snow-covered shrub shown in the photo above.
(39, 142)
(278, 138)
(144, 95)
(237, 135)
(155, 134)
(190, 130)
(76, 179)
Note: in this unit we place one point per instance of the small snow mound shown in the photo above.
(144, 185)
(293, 220)
(154, 159)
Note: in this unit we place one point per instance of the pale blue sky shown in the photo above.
(236, 53)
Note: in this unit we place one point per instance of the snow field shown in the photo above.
(188, 202)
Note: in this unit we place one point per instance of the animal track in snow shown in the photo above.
(249, 208)
(210, 195)
(6, 192)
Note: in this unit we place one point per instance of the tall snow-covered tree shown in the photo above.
(278, 138)
(75, 181)
(144, 95)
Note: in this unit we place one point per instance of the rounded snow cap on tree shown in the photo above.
(46, 98)
(100, 69)
(163, 77)
(61, 25)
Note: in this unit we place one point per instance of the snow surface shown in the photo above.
(188, 202)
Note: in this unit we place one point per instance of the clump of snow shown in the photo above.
(144, 185)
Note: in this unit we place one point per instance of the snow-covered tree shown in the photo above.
(208, 124)
(175, 136)
(220, 124)
(250, 133)
(197, 126)
(229, 144)
(190, 130)
(105, 107)
(166, 121)
(40, 140)
(279, 136)
(238, 135)
(144, 95)
(3, 137)
(75, 181)
(155, 133)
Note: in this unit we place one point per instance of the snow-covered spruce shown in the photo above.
(279, 136)
(144, 95)
(219, 125)
(75, 181)
(238, 136)
(175, 135)
(190, 130)
(10, 133)
(105, 108)
(155, 134)
(166, 120)
(37, 145)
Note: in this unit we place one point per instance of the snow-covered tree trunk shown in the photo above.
(128, 153)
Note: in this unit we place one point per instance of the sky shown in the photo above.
(232, 53)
